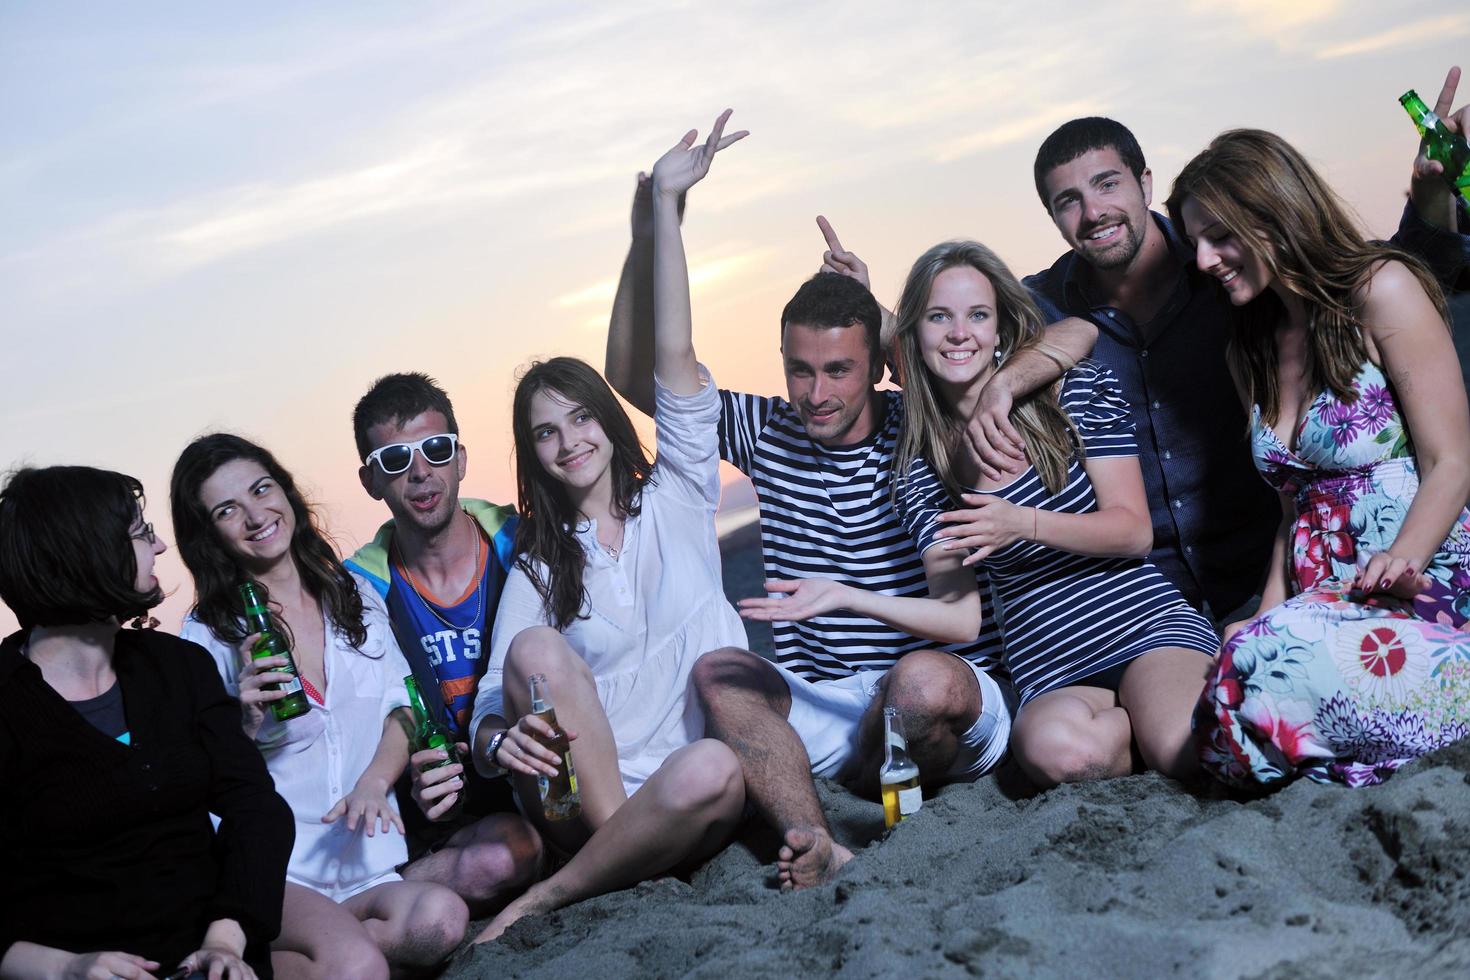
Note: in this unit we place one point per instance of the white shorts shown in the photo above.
(826, 714)
(342, 892)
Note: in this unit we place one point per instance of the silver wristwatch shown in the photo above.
(496, 770)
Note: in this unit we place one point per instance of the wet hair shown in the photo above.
(217, 573)
(398, 398)
(1272, 201)
(1078, 136)
(546, 542)
(830, 299)
(66, 549)
(930, 429)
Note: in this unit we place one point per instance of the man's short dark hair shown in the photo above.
(1072, 139)
(398, 398)
(66, 549)
(830, 299)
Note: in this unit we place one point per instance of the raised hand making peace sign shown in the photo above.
(686, 164)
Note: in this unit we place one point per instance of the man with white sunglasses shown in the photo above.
(439, 565)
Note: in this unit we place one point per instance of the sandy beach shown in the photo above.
(1135, 877)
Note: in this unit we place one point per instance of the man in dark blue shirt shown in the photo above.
(1163, 328)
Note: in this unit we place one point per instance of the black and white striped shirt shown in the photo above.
(827, 512)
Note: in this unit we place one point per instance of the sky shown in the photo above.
(235, 217)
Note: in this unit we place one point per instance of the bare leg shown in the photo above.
(1072, 734)
(542, 650)
(1160, 690)
(320, 939)
(416, 924)
(937, 698)
(484, 863)
(687, 809)
(746, 705)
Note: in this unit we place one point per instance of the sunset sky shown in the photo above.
(237, 216)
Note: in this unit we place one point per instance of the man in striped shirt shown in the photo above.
(821, 463)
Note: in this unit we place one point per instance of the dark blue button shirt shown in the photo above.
(1213, 516)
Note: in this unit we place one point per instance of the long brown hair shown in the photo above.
(930, 429)
(1277, 206)
(546, 535)
(217, 575)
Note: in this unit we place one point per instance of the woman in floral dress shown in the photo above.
(1359, 660)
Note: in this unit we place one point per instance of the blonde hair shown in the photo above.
(1276, 205)
(930, 429)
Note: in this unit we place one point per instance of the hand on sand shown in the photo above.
(536, 900)
(808, 858)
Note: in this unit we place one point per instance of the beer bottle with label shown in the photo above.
(899, 777)
(559, 797)
(1448, 148)
(429, 734)
(273, 644)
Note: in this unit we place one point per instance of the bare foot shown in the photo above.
(809, 857)
(535, 901)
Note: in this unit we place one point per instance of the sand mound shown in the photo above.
(1129, 877)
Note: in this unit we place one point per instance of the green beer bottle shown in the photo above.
(1449, 149)
(273, 644)
(429, 734)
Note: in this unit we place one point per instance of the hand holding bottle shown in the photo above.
(1429, 187)
(259, 682)
(525, 751)
(436, 786)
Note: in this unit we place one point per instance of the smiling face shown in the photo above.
(249, 512)
(957, 330)
(829, 378)
(1100, 208)
(423, 498)
(1219, 252)
(570, 443)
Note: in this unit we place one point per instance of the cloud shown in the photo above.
(1429, 29)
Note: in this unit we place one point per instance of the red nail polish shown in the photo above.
(1383, 584)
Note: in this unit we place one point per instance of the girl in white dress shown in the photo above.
(238, 515)
(616, 593)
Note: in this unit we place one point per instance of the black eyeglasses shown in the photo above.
(397, 457)
(146, 534)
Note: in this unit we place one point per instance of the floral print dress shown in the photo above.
(1323, 686)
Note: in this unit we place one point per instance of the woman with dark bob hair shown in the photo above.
(615, 594)
(1359, 659)
(238, 516)
(115, 747)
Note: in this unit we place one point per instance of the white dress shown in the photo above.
(316, 759)
(656, 609)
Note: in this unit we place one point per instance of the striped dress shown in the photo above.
(827, 512)
(1068, 616)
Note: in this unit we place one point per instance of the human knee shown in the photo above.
(1062, 752)
(706, 779)
(930, 689)
(505, 855)
(728, 670)
(436, 925)
(542, 650)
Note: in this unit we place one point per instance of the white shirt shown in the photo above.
(316, 758)
(655, 609)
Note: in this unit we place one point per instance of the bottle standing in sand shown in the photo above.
(1447, 148)
(273, 644)
(899, 777)
(429, 734)
(559, 797)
